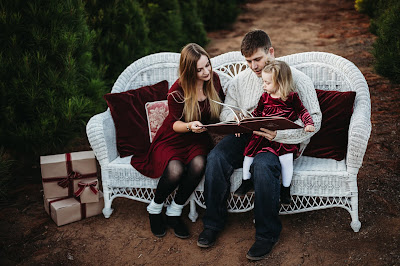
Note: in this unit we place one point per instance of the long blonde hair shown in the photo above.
(190, 54)
(281, 76)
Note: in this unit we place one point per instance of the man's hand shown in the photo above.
(266, 133)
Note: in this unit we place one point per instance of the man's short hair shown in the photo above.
(253, 40)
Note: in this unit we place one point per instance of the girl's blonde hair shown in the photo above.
(281, 76)
(190, 54)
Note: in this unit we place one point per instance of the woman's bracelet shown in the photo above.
(187, 127)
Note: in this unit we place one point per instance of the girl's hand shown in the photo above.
(238, 135)
(309, 128)
(197, 127)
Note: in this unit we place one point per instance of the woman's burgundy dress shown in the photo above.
(170, 145)
(291, 109)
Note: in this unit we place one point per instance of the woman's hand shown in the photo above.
(197, 127)
(266, 133)
(184, 127)
(309, 128)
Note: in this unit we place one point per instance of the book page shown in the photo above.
(239, 113)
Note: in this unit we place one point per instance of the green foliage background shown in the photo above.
(49, 85)
(127, 30)
(217, 14)
(58, 58)
(121, 35)
(385, 21)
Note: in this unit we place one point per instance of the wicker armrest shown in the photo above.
(360, 123)
(101, 134)
(359, 133)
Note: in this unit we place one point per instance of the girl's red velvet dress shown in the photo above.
(291, 109)
(170, 145)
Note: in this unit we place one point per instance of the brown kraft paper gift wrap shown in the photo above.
(66, 210)
(87, 191)
(60, 172)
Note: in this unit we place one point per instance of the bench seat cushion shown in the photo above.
(317, 165)
(320, 176)
(310, 175)
(124, 175)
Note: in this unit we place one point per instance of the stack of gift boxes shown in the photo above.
(70, 186)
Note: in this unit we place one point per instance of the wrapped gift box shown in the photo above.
(87, 190)
(61, 172)
(66, 210)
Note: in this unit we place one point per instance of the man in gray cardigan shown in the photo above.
(244, 91)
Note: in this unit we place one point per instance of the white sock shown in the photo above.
(287, 168)
(246, 167)
(154, 208)
(174, 209)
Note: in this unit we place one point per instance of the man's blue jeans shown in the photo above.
(265, 169)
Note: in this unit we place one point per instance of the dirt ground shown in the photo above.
(29, 237)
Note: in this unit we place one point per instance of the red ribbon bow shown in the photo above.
(66, 181)
(82, 186)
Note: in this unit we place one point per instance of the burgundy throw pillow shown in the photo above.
(129, 115)
(331, 140)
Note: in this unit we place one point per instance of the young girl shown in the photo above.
(278, 99)
(179, 149)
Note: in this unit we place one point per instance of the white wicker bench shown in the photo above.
(317, 183)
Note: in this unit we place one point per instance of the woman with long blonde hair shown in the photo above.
(179, 150)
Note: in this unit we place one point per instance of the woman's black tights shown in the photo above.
(177, 174)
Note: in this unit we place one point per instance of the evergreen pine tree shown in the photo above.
(121, 34)
(385, 18)
(218, 14)
(48, 83)
(193, 28)
(165, 24)
(386, 48)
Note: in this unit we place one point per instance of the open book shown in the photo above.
(246, 123)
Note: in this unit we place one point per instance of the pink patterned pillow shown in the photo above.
(156, 113)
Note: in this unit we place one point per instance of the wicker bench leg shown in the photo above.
(193, 215)
(107, 210)
(355, 222)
